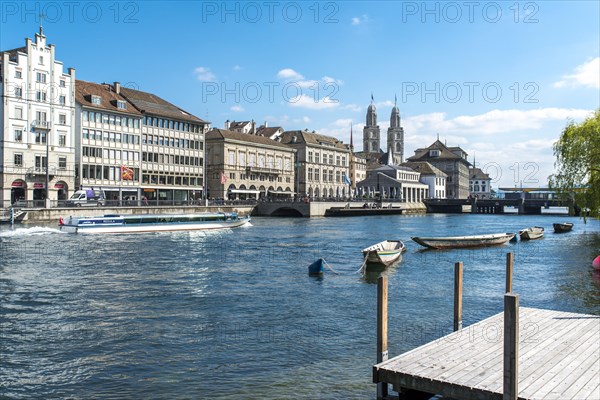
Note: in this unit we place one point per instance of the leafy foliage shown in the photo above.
(578, 163)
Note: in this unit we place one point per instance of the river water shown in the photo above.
(234, 315)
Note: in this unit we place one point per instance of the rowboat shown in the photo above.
(454, 242)
(384, 253)
(532, 233)
(317, 268)
(562, 227)
(151, 223)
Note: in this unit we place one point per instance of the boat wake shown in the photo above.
(33, 231)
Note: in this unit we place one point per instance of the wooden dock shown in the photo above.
(558, 358)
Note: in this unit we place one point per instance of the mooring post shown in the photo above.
(458, 288)
(382, 327)
(12, 215)
(511, 346)
(509, 271)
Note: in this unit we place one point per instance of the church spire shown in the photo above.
(351, 142)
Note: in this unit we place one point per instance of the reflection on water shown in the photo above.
(234, 314)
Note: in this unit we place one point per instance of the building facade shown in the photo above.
(450, 160)
(243, 166)
(480, 184)
(37, 144)
(108, 142)
(393, 182)
(431, 176)
(358, 171)
(172, 150)
(322, 164)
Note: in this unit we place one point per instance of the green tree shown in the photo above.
(578, 163)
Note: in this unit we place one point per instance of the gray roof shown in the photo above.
(218, 134)
(312, 138)
(149, 103)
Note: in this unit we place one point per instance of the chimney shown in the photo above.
(266, 126)
(227, 123)
(253, 131)
(117, 88)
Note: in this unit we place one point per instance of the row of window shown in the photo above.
(40, 116)
(40, 161)
(107, 136)
(327, 176)
(39, 137)
(171, 124)
(40, 96)
(158, 179)
(264, 161)
(107, 172)
(121, 104)
(110, 154)
(254, 177)
(172, 159)
(110, 119)
(339, 160)
(172, 142)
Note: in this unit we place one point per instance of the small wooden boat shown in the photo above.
(317, 268)
(384, 253)
(532, 233)
(455, 242)
(562, 227)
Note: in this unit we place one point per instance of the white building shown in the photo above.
(37, 144)
(432, 177)
(393, 182)
(480, 184)
(108, 142)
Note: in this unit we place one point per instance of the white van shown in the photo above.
(89, 197)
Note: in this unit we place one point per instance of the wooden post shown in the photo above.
(511, 346)
(509, 271)
(458, 289)
(382, 327)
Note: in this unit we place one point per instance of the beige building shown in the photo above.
(358, 170)
(322, 164)
(37, 118)
(243, 166)
(108, 142)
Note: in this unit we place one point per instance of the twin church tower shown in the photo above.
(395, 137)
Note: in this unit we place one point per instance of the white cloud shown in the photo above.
(586, 74)
(237, 109)
(303, 120)
(204, 74)
(360, 20)
(237, 67)
(330, 80)
(289, 74)
(353, 107)
(490, 123)
(304, 101)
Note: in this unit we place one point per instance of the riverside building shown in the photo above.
(37, 115)
(322, 164)
(172, 150)
(244, 166)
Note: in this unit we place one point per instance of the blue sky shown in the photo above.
(499, 79)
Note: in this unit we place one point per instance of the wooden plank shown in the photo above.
(511, 346)
(382, 329)
(509, 272)
(587, 376)
(458, 290)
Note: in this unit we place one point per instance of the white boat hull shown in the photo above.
(384, 253)
(116, 227)
(454, 242)
(531, 233)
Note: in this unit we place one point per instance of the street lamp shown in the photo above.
(47, 199)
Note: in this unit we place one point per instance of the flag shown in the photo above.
(126, 173)
(223, 178)
(346, 180)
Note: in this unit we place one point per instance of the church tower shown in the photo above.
(395, 136)
(371, 138)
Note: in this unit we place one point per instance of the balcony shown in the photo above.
(41, 124)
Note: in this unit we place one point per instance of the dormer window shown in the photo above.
(96, 100)
(434, 153)
(121, 105)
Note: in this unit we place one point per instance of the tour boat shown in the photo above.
(151, 223)
(455, 242)
(384, 253)
(562, 227)
(535, 232)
